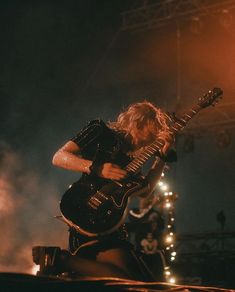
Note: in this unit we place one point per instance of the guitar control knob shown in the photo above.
(109, 212)
(128, 184)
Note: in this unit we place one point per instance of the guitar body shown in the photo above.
(95, 209)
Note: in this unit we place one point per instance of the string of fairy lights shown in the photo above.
(166, 200)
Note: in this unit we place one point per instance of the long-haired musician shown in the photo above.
(101, 150)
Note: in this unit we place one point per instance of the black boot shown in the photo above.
(49, 259)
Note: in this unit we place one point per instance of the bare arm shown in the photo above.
(68, 157)
(156, 170)
(151, 179)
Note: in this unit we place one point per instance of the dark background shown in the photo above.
(66, 62)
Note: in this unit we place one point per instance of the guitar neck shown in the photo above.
(135, 165)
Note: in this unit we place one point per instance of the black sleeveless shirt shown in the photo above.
(98, 141)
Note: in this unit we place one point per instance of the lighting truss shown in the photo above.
(154, 14)
(217, 243)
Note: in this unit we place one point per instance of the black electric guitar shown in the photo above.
(95, 209)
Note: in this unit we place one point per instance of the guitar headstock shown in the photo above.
(211, 97)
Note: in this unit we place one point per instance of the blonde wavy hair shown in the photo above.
(140, 114)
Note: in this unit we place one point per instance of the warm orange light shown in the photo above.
(34, 270)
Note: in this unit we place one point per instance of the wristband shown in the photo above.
(94, 168)
(170, 157)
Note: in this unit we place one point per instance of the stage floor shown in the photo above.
(24, 282)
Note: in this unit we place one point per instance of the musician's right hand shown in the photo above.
(111, 171)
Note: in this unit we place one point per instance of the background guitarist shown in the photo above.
(102, 150)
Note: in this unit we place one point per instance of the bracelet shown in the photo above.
(94, 168)
(161, 156)
(170, 157)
